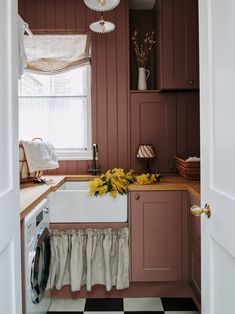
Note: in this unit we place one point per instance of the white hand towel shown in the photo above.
(193, 159)
(40, 155)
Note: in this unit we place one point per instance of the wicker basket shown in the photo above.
(188, 169)
(25, 175)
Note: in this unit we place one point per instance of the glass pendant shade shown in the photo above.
(102, 26)
(102, 5)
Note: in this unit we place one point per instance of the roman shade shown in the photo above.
(50, 54)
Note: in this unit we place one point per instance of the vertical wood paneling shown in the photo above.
(112, 95)
(81, 12)
(21, 7)
(109, 74)
(40, 16)
(110, 83)
(70, 13)
(122, 83)
(29, 13)
(50, 15)
(188, 126)
(102, 115)
(60, 21)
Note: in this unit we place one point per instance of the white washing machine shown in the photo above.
(37, 259)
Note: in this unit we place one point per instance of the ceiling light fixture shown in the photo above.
(102, 26)
(101, 5)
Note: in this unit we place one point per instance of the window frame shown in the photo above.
(75, 154)
(81, 154)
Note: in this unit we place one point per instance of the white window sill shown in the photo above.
(74, 155)
(73, 158)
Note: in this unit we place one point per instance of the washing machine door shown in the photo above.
(40, 266)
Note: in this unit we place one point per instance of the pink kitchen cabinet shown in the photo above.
(158, 229)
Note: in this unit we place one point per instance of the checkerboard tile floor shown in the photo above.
(124, 306)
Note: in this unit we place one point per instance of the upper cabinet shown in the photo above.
(177, 65)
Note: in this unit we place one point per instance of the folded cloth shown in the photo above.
(193, 159)
(40, 155)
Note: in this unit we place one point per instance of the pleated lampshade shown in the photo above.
(146, 151)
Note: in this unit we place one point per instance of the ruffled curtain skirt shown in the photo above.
(90, 257)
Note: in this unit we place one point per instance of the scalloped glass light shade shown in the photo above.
(102, 27)
(102, 5)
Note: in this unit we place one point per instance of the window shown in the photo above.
(57, 108)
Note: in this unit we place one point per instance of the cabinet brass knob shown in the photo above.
(191, 82)
(137, 196)
(198, 211)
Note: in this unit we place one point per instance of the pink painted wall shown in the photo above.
(109, 73)
(111, 110)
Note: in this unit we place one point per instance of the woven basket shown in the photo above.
(188, 169)
(25, 175)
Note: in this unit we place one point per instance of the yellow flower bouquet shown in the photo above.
(113, 182)
(148, 178)
(116, 181)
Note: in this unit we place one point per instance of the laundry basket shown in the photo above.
(188, 169)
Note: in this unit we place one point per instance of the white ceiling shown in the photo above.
(141, 4)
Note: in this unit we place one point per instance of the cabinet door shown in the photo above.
(177, 48)
(156, 236)
(194, 222)
(153, 121)
(195, 267)
(194, 248)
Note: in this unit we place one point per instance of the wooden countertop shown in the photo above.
(170, 183)
(32, 194)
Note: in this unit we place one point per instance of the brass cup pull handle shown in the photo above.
(137, 197)
(198, 211)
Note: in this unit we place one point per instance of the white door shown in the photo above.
(217, 88)
(10, 282)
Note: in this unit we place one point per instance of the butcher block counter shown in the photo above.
(32, 194)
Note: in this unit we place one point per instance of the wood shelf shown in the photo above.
(145, 91)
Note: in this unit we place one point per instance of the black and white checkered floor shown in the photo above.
(123, 306)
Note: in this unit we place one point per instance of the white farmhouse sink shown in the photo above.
(71, 204)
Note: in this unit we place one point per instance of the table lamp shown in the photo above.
(146, 152)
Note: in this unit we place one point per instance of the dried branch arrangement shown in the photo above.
(142, 50)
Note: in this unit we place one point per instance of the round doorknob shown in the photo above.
(198, 211)
(137, 196)
(191, 82)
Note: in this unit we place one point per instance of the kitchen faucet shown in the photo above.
(94, 170)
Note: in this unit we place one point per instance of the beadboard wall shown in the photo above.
(111, 110)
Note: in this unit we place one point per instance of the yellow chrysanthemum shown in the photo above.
(116, 181)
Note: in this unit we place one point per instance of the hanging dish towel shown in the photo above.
(40, 156)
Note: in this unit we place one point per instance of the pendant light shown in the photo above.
(102, 26)
(101, 5)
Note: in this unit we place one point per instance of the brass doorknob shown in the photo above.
(197, 211)
(137, 196)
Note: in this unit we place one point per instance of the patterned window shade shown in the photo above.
(46, 54)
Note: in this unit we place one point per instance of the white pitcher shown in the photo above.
(143, 76)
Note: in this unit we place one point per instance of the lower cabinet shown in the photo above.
(195, 267)
(194, 249)
(157, 232)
